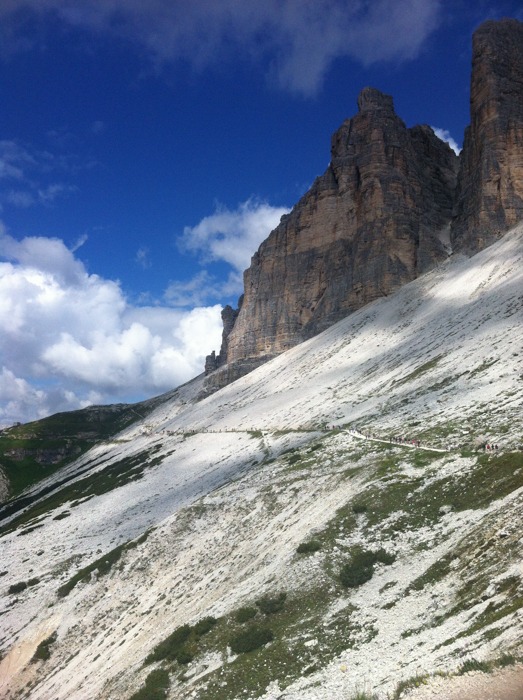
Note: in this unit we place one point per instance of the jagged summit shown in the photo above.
(370, 98)
(490, 185)
(386, 210)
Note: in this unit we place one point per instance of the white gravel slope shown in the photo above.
(444, 353)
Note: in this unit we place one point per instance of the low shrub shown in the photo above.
(363, 695)
(506, 660)
(383, 557)
(245, 614)
(183, 656)
(43, 650)
(360, 568)
(359, 508)
(307, 547)
(17, 587)
(156, 686)
(63, 515)
(473, 665)
(180, 644)
(269, 606)
(171, 646)
(253, 638)
(204, 625)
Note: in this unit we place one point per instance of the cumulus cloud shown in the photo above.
(232, 235)
(227, 236)
(444, 135)
(68, 338)
(298, 39)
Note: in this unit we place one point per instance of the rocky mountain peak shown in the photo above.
(372, 99)
(490, 187)
(390, 204)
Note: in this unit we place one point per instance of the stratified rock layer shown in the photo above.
(490, 189)
(370, 224)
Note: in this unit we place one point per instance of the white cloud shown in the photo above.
(68, 337)
(298, 38)
(444, 135)
(203, 288)
(232, 236)
(142, 258)
(25, 175)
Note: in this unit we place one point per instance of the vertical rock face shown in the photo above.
(490, 189)
(384, 210)
(370, 224)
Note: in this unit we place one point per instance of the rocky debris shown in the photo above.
(235, 483)
(490, 185)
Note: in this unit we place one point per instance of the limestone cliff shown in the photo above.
(370, 224)
(490, 189)
(383, 211)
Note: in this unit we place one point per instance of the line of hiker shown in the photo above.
(396, 440)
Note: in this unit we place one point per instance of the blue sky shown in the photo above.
(146, 149)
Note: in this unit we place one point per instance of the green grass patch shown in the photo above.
(286, 657)
(33, 451)
(419, 371)
(474, 665)
(409, 684)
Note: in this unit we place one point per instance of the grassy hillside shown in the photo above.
(33, 451)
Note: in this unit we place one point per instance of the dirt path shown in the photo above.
(410, 445)
(504, 684)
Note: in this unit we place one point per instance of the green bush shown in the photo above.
(245, 614)
(383, 557)
(253, 638)
(43, 650)
(310, 546)
(17, 587)
(506, 660)
(269, 605)
(360, 568)
(182, 644)
(171, 646)
(183, 656)
(473, 665)
(156, 685)
(358, 508)
(204, 625)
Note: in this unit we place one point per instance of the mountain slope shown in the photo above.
(198, 511)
